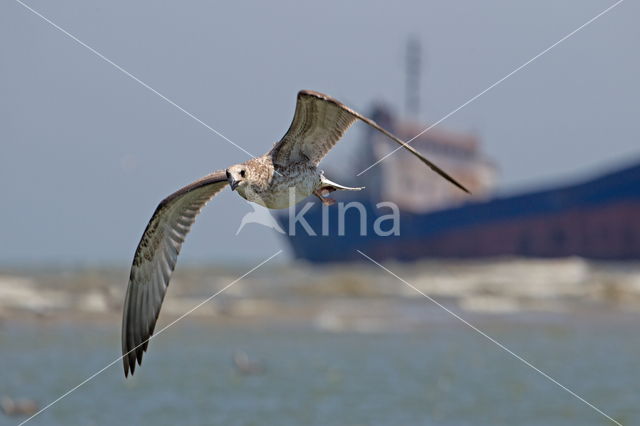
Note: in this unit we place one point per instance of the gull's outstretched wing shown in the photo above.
(319, 122)
(155, 259)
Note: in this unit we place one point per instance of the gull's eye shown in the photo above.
(242, 173)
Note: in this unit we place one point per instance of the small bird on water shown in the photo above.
(285, 175)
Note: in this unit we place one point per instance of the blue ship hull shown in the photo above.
(598, 218)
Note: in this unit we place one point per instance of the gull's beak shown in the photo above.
(232, 182)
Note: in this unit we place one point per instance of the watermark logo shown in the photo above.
(260, 215)
(386, 222)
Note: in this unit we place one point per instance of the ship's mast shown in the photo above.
(413, 64)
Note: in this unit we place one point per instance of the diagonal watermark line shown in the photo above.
(94, 375)
(133, 77)
(494, 341)
(494, 84)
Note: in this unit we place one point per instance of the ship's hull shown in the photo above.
(599, 219)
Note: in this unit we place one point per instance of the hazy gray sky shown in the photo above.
(87, 153)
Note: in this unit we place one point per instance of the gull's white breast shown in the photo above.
(289, 187)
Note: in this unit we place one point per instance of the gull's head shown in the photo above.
(238, 176)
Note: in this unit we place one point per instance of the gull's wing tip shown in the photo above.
(459, 185)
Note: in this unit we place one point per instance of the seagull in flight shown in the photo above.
(284, 176)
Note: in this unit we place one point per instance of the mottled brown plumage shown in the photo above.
(287, 174)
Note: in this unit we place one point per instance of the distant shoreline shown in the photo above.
(353, 297)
